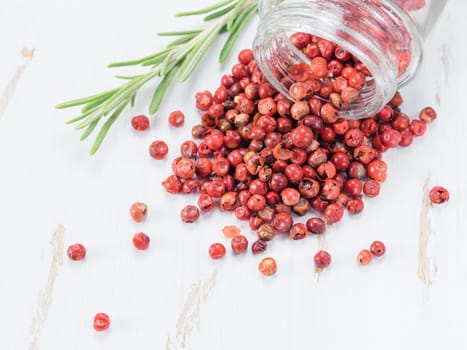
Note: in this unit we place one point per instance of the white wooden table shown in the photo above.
(52, 194)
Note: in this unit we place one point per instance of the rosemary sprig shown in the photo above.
(179, 58)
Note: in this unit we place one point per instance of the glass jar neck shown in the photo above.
(381, 35)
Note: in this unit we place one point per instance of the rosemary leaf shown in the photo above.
(85, 123)
(219, 13)
(193, 62)
(125, 91)
(182, 40)
(82, 101)
(128, 77)
(234, 13)
(139, 60)
(82, 115)
(90, 106)
(105, 129)
(89, 130)
(179, 33)
(237, 27)
(160, 90)
(165, 65)
(155, 61)
(204, 10)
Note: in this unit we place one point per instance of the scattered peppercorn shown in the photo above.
(101, 322)
(267, 266)
(176, 119)
(76, 252)
(439, 195)
(138, 211)
(217, 251)
(364, 257)
(190, 213)
(322, 259)
(239, 244)
(140, 122)
(141, 241)
(377, 248)
(158, 149)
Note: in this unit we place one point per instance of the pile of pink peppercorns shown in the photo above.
(272, 161)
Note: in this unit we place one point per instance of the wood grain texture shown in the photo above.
(426, 263)
(189, 319)
(10, 89)
(45, 297)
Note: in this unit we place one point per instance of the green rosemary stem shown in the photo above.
(179, 58)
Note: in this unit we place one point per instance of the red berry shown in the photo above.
(203, 100)
(140, 122)
(316, 225)
(391, 138)
(266, 232)
(76, 252)
(172, 184)
(333, 213)
(259, 246)
(377, 170)
(217, 251)
(377, 248)
(190, 213)
(239, 244)
(371, 188)
(439, 195)
(138, 211)
(417, 127)
(183, 167)
(427, 115)
(322, 259)
(101, 322)
(158, 149)
(282, 222)
(298, 231)
(176, 119)
(364, 257)
(206, 203)
(141, 241)
(267, 266)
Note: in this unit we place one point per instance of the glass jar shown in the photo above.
(386, 36)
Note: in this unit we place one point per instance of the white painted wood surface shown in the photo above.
(173, 296)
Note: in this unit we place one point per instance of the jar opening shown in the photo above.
(382, 37)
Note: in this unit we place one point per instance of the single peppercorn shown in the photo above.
(267, 266)
(439, 195)
(158, 149)
(377, 248)
(322, 259)
(141, 241)
(189, 213)
(76, 252)
(316, 225)
(364, 257)
(176, 119)
(239, 244)
(259, 246)
(216, 251)
(298, 231)
(101, 322)
(333, 213)
(138, 211)
(427, 115)
(140, 122)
